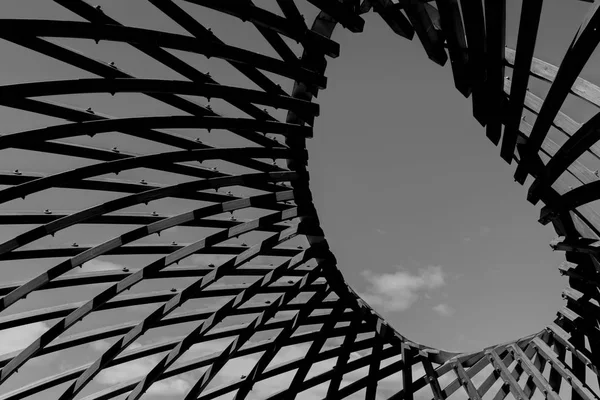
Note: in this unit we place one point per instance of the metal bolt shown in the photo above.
(46, 211)
(115, 150)
(211, 265)
(125, 269)
(154, 213)
(173, 290)
(143, 182)
(174, 243)
(89, 109)
(17, 172)
(75, 245)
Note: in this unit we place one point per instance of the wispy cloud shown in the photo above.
(444, 310)
(100, 345)
(176, 385)
(399, 290)
(99, 265)
(18, 338)
(234, 370)
(484, 230)
(139, 368)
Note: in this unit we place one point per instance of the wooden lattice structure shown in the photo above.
(247, 204)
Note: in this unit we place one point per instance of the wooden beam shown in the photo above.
(342, 13)
(430, 38)
(495, 19)
(576, 57)
(563, 371)
(528, 26)
(453, 30)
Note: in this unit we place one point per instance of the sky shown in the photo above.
(421, 212)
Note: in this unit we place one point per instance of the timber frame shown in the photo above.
(310, 303)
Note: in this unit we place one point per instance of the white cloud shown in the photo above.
(100, 345)
(169, 387)
(177, 385)
(234, 370)
(444, 310)
(281, 382)
(99, 265)
(125, 372)
(241, 366)
(398, 291)
(20, 337)
(138, 368)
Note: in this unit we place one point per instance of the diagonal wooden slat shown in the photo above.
(495, 30)
(528, 28)
(577, 55)
(505, 374)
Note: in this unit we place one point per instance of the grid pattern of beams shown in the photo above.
(263, 273)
